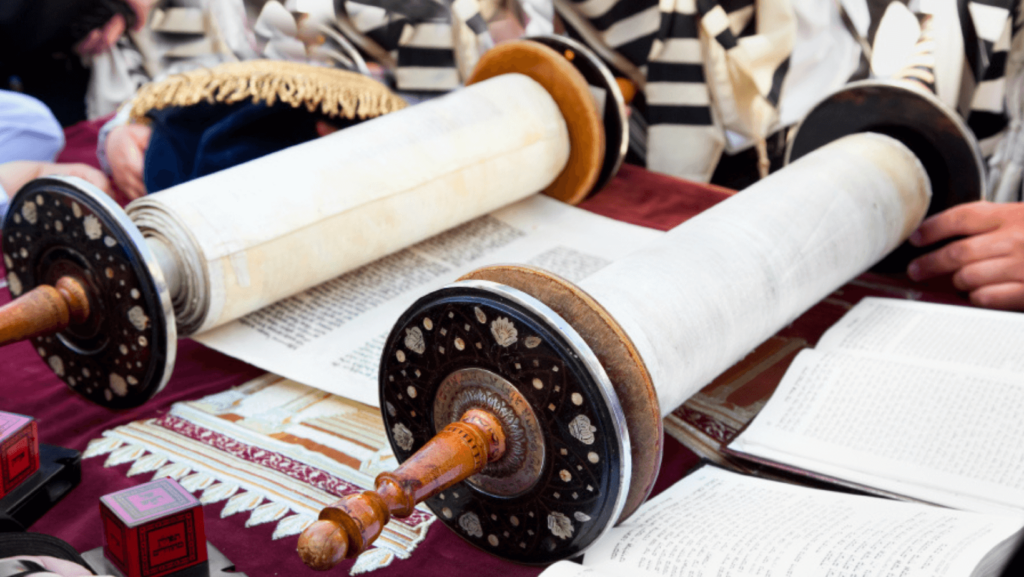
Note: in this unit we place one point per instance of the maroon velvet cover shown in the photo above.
(28, 387)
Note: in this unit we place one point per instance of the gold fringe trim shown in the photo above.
(334, 92)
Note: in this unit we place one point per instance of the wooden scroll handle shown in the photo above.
(348, 527)
(44, 310)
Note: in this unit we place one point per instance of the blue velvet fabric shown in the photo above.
(194, 141)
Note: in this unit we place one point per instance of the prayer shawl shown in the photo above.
(711, 73)
(432, 46)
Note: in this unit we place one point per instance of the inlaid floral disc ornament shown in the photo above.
(563, 476)
(121, 354)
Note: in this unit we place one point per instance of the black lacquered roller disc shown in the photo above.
(478, 344)
(123, 354)
(607, 96)
(935, 134)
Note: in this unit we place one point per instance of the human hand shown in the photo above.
(126, 154)
(100, 39)
(14, 175)
(989, 263)
(142, 8)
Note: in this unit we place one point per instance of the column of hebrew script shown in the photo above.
(942, 334)
(875, 407)
(331, 336)
(715, 522)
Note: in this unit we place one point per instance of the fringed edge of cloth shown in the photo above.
(331, 91)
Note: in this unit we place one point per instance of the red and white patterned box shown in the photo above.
(153, 529)
(19, 450)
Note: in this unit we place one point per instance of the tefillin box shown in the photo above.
(19, 450)
(153, 530)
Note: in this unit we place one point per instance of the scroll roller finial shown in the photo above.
(348, 527)
(44, 310)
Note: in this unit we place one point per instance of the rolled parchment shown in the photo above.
(705, 294)
(264, 230)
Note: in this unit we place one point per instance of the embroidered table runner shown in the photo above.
(274, 449)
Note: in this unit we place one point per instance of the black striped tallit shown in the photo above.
(663, 41)
(419, 35)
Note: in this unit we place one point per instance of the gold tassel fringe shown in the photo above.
(334, 92)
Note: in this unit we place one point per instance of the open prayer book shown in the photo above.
(715, 522)
(908, 399)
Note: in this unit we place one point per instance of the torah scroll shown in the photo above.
(256, 233)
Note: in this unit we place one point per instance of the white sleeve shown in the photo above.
(119, 119)
(4, 203)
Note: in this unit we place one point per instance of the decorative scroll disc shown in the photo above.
(501, 340)
(608, 97)
(938, 137)
(123, 354)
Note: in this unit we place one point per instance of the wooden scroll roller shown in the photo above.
(347, 527)
(590, 369)
(214, 249)
(44, 310)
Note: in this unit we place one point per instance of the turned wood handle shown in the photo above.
(348, 527)
(44, 310)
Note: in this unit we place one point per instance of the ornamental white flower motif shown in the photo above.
(138, 318)
(560, 525)
(118, 385)
(93, 228)
(14, 284)
(581, 516)
(403, 436)
(480, 316)
(414, 340)
(504, 331)
(57, 364)
(581, 428)
(532, 342)
(28, 210)
(470, 523)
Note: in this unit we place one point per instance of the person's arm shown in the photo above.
(988, 263)
(31, 26)
(122, 153)
(14, 175)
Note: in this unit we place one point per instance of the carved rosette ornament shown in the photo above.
(121, 354)
(557, 485)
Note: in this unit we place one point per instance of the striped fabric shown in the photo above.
(920, 66)
(992, 26)
(1005, 132)
(677, 44)
(435, 44)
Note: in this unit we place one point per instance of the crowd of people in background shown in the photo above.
(719, 83)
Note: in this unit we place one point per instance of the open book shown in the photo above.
(715, 522)
(909, 399)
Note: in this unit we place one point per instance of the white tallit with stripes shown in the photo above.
(1005, 75)
(434, 44)
(707, 66)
